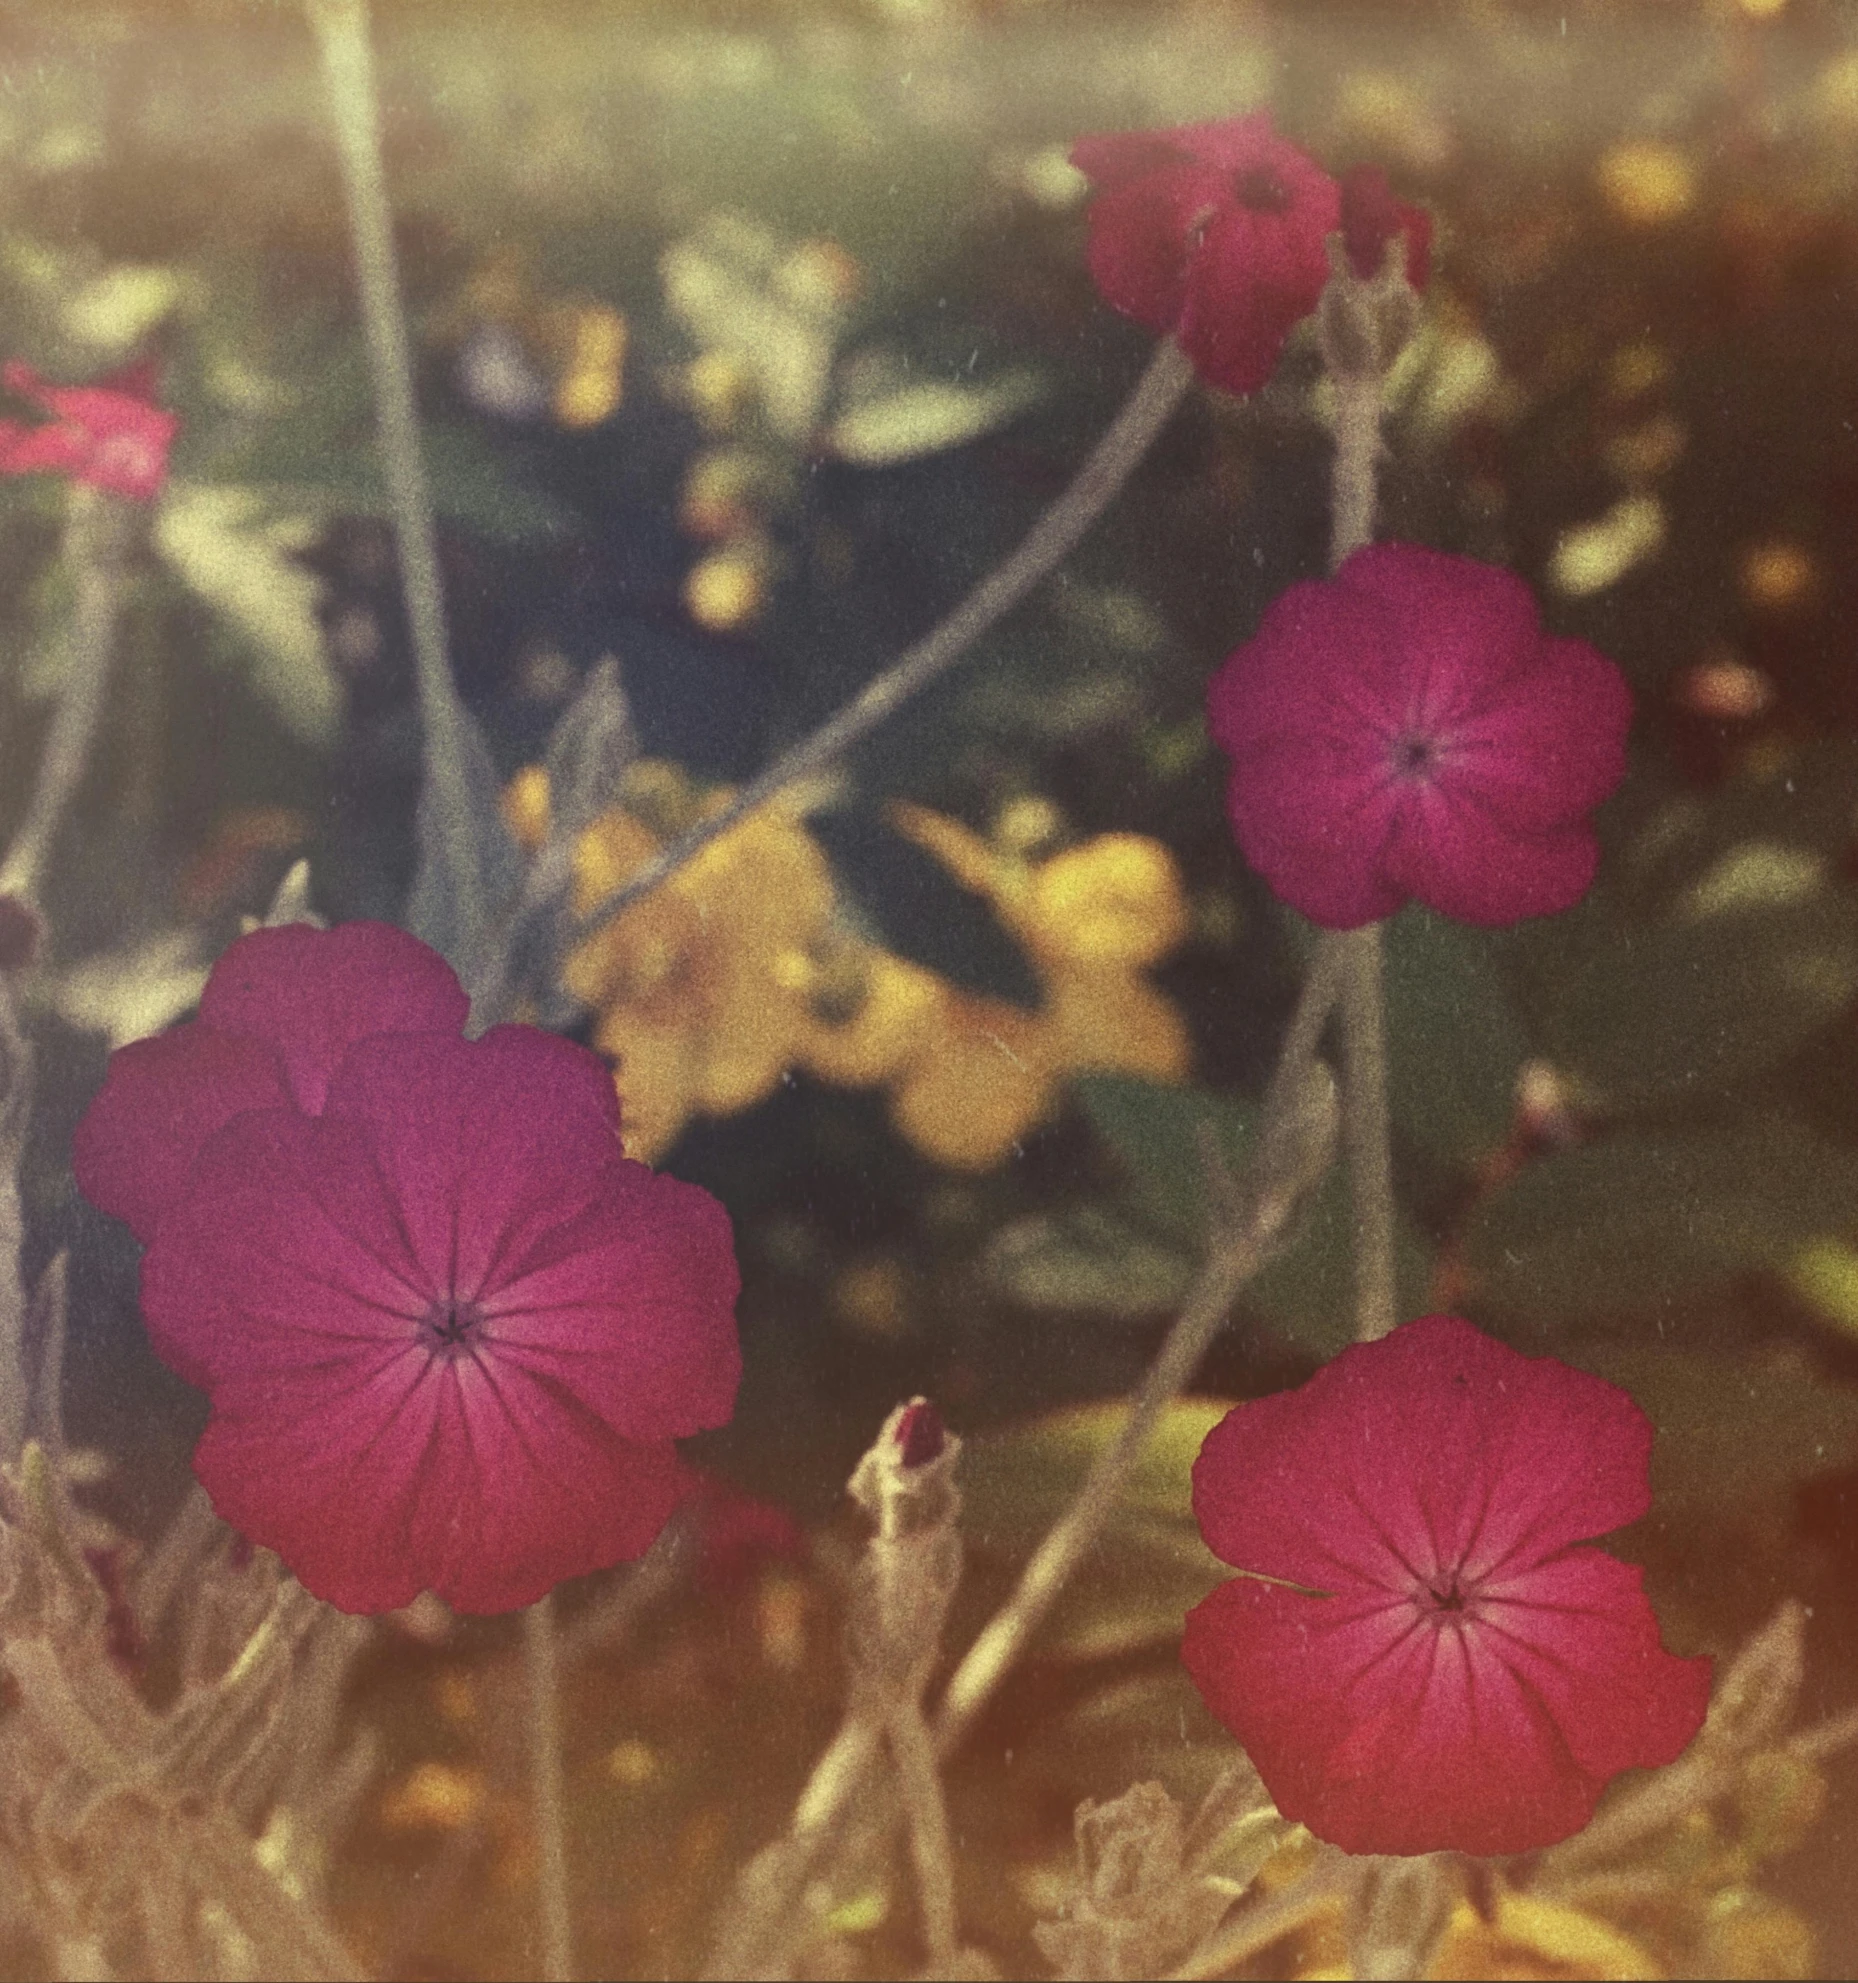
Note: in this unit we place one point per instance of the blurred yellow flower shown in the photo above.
(699, 988)
(740, 968)
(968, 1075)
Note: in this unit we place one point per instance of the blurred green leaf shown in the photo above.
(1454, 1041)
(927, 417)
(1721, 938)
(1736, 1434)
(1160, 1136)
(234, 549)
(1089, 1259)
(1648, 1218)
(1148, 1568)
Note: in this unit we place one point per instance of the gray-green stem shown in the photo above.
(96, 537)
(1124, 443)
(1352, 499)
(546, 1773)
(348, 70)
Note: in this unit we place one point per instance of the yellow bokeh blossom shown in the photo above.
(697, 990)
(969, 1076)
(742, 966)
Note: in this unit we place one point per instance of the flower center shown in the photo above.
(1448, 1598)
(1414, 756)
(451, 1324)
(1261, 190)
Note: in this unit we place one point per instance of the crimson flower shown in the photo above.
(1371, 217)
(448, 1330)
(1406, 729)
(110, 434)
(1441, 1663)
(1214, 232)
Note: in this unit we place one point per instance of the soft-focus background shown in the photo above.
(749, 335)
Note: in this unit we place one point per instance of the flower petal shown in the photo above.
(1315, 823)
(1253, 279)
(1380, 1732)
(1448, 850)
(287, 1248)
(486, 1145)
(1551, 745)
(1141, 240)
(630, 1308)
(1579, 1634)
(439, 1476)
(313, 993)
(161, 1099)
(1436, 1448)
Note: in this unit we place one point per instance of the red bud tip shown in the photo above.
(920, 1435)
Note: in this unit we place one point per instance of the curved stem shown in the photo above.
(546, 1768)
(348, 70)
(1128, 438)
(95, 536)
(1235, 1258)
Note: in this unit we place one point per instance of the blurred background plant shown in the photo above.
(749, 335)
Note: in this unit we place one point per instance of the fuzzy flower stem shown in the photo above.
(1236, 1256)
(348, 70)
(919, 1789)
(546, 1769)
(1352, 498)
(95, 539)
(1365, 1131)
(1128, 438)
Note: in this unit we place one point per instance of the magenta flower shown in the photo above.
(1214, 232)
(110, 434)
(448, 1331)
(1442, 1663)
(1407, 730)
(1372, 216)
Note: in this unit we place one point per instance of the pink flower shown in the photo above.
(1214, 232)
(1441, 1665)
(110, 435)
(447, 1329)
(1371, 217)
(1406, 729)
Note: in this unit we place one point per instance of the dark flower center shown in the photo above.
(1414, 755)
(1451, 1598)
(450, 1324)
(1261, 191)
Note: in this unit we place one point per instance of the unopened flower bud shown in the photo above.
(920, 1435)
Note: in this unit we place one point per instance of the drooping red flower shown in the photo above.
(1444, 1663)
(1406, 730)
(1214, 232)
(111, 434)
(1372, 216)
(448, 1330)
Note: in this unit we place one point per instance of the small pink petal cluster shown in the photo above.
(110, 435)
(1443, 1662)
(1406, 730)
(448, 1330)
(1214, 232)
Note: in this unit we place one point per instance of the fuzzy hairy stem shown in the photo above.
(96, 534)
(545, 1765)
(1127, 439)
(1366, 1132)
(1352, 502)
(348, 71)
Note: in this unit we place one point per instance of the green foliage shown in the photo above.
(1149, 1567)
(1649, 1218)
(1454, 1042)
(1160, 1138)
(1720, 940)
